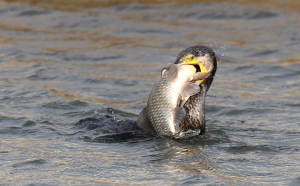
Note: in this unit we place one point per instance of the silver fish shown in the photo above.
(164, 111)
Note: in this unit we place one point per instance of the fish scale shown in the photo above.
(164, 111)
(160, 113)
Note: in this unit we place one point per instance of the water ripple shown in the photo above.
(68, 61)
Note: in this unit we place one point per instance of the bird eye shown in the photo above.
(192, 57)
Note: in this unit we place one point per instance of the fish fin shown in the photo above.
(163, 72)
(179, 115)
(182, 102)
(200, 75)
(167, 68)
(173, 72)
(144, 122)
(189, 89)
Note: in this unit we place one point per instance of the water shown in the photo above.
(68, 60)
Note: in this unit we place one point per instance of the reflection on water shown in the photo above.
(63, 61)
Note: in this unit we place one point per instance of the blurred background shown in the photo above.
(62, 61)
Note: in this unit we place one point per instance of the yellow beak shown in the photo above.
(187, 61)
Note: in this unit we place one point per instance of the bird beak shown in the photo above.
(198, 75)
(187, 61)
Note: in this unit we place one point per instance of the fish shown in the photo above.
(165, 111)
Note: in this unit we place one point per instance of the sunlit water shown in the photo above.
(69, 60)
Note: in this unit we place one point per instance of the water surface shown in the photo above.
(68, 60)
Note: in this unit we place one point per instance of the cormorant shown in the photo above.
(194, 106)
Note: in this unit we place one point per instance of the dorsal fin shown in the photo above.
(144, 122)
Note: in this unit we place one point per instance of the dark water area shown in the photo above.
(63, 61)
